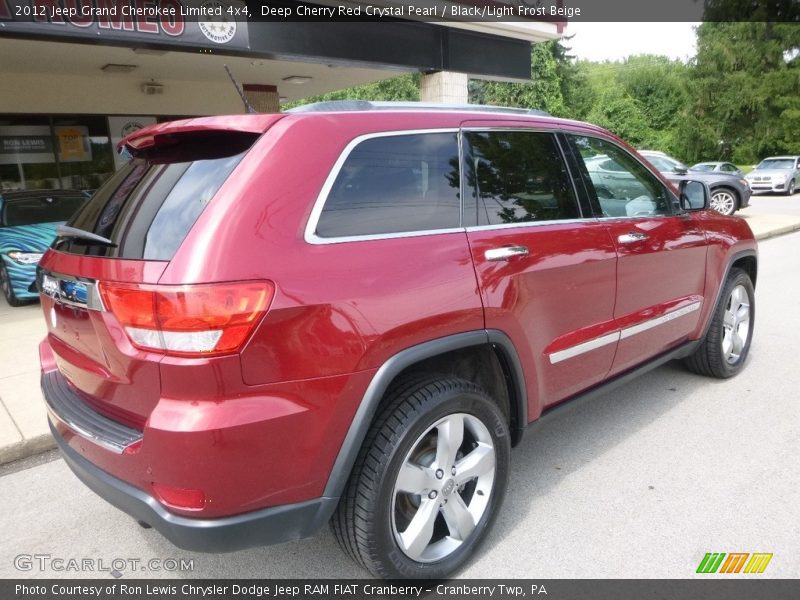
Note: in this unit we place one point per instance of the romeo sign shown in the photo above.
(171, 22)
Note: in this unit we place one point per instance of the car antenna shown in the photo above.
(247, 105)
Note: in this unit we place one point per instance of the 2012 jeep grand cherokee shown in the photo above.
(350, 313)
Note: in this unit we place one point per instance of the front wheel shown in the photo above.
(8, 289)
(790, 188)
(724, 348)
(724, 202)
(428, 482)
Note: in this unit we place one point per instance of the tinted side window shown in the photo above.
(516, 177)
(395, 184)
(630, 189)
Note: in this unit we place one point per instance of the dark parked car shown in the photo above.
(351, 313)
(729, 192)
(776, 174)
(718, 167)
(28, 222)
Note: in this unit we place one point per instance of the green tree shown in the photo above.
(745, 92)
(617, 111)
(658, 87)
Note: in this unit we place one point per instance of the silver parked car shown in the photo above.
(729, 192)
(776, 174)
(717, 167)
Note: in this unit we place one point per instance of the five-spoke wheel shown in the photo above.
(443, 487)
(736, 324)
(428, 481)
(723, 350)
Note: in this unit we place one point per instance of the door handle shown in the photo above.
(505, 253)
(631, 238)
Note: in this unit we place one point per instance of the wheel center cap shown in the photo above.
(448, 487)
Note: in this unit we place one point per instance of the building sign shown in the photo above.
(200, 23)
(120, 128)
(22, 144)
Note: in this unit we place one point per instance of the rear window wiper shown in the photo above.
(64, 231)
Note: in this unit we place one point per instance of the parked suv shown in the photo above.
(351, 313)
(729, 192)
(776, 174)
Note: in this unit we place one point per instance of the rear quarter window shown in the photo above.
(394, 184)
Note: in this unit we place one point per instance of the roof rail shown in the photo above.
(364, 105)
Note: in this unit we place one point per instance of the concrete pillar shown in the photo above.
(263, 98)
(444, 86)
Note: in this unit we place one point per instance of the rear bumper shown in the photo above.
(267, 526)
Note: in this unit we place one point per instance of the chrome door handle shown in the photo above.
(631, 238)
(496, 254)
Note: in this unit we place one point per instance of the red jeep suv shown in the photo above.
(350, 312)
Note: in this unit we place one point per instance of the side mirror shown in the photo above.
(680, 169)
(693, 194)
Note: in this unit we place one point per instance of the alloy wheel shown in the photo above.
(723, 202)
(443, 487)
(735, 324)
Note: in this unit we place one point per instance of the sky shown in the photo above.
(615, 41)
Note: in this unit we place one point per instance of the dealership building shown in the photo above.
(78, 75)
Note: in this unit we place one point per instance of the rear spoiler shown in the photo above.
(167, 134)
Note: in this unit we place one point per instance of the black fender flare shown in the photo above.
(728, 266)
(389, 370)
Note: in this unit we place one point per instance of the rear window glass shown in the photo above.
(395, 184)
(148, 207)
(516, 177)
(47, 208)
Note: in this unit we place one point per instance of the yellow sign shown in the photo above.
(73, 143)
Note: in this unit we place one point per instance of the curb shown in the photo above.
(779, 231)
(26, 448)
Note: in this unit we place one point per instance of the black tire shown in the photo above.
(711, 358)
(8, 290)
(365, 523)
(790, 188)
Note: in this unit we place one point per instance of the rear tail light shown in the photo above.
(189, 320)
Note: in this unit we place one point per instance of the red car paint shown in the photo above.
(262, 427)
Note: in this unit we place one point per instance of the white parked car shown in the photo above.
(776, 174)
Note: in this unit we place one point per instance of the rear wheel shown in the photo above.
(724, 201)
(724, 348)
(8, 290)
(428, 482)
